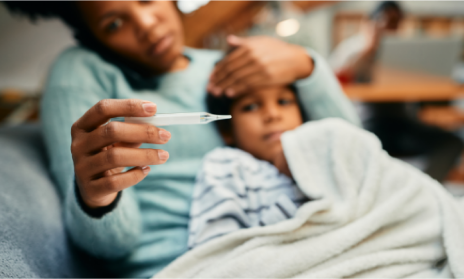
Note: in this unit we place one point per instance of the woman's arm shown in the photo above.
(322, 96)
(113, 234)
(98, 219)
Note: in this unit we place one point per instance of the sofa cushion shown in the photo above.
(33, 241)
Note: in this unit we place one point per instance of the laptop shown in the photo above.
(430, 55)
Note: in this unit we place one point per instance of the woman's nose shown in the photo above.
(145, 22)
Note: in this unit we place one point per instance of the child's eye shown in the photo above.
(114, 25)
(286, 102)
(250, 107)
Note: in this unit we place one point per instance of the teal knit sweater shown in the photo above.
(148, 228)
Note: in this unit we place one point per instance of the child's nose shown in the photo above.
(272, 113)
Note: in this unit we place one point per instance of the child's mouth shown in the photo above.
(274, 136)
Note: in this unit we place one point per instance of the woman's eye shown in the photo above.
(114, 25)
(250, 107)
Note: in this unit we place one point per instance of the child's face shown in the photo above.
(260, 117)
(147, 34)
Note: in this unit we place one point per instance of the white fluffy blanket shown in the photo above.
(374, 217)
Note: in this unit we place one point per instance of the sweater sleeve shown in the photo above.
(115, 233)
(322, 96)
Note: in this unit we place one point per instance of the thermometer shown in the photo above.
(166, 119)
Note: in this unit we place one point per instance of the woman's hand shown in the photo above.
(102, 150)
(256, 62)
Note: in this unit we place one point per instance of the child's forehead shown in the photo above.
(264, 92)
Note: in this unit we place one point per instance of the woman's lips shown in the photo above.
(161, 46)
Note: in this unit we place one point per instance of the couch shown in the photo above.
(33, 240)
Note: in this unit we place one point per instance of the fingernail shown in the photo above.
(217, 90)
(163, 155)
(149, 107)
(145, 169)
(164, 135)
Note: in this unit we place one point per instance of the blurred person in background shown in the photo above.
(401, 134)
(126, 204)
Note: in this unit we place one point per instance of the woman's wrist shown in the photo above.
(92, 211)
(305, 63)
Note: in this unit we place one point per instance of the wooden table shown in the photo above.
(390, 85)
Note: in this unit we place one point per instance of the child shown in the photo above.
(239, 187)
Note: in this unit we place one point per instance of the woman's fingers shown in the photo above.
(240, 76)
(235, 41)
(243, 84)
(127, 144)
(121, 157)
(115, 132)
(100, 190)
(101, 112)
(244, 67)
(236, 59)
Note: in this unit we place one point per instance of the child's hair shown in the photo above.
(222, 105)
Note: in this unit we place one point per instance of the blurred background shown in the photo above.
(401, 65)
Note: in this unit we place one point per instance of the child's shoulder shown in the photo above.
(227, 160)
(238, 171)
(228, 154)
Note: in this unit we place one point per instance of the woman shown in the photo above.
(131, 62)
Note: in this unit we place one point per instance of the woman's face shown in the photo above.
(146, 34)
(260, 117)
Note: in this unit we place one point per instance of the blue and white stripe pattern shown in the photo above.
(234, 190)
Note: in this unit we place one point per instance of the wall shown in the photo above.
(448, 8)
(319, 21)
(27, 50)
(319, 29)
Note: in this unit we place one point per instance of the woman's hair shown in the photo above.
(65, 10)
(385, 6)
(223, 105)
